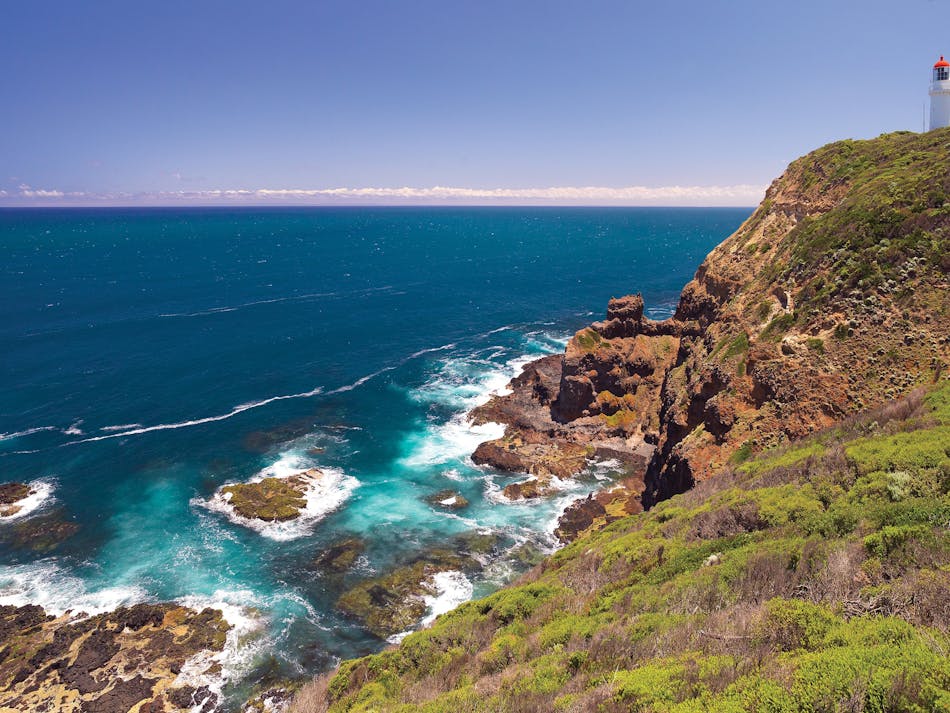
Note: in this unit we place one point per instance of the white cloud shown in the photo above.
(40, 193)
(742, 194)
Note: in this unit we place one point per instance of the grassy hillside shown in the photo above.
(812, 578)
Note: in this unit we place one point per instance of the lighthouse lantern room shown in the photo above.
(940, 95)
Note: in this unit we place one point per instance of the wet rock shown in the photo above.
(478, 542)
(579, 516)
(393, 603)
(10, 496)
(11, 492)
(525, 490)
(273, 699)
(41, 534)
(448, 500)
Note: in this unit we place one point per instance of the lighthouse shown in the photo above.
(940, 95)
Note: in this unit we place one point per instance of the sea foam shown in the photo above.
(244, 643)
(49, 586)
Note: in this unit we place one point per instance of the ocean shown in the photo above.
(152, 355)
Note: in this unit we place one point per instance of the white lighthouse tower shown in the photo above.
(940, 95)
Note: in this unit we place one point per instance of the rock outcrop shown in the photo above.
(128, 659)
(271, 499)
(830, 299)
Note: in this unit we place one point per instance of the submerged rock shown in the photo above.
(341, 555)
(271, 499)
(42, 534)
(109, 662)
(478, 542)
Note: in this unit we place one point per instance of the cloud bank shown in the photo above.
(736, 195)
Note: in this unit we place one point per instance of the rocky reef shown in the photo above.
(128, 659)
(831, 298)
(271, 499)
(813, 577)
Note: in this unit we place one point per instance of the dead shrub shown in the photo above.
(766, 575)
(312, 697)
(726, 521)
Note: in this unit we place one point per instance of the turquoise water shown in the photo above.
(150, 356)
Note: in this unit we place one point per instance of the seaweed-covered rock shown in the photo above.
(40, 534)
(394, 602)
(271, 499)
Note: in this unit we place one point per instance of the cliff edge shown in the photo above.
(830, 299)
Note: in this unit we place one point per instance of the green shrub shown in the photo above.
(795, 624)
(891, 537)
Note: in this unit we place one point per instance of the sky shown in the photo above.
(443, 101)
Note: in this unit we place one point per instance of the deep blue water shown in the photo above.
(150, 356)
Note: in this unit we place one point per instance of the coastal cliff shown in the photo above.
(828, 300)
(787, 431)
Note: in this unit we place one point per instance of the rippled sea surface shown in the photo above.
(151, 356)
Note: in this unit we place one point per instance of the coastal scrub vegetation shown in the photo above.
(896, 212)
(808, 578)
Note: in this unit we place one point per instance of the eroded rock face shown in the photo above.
(109, 662)
(561, 414)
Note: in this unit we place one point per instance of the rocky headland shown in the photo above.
(826, 301)
(787, 433)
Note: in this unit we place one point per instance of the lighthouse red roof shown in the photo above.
(942, 63)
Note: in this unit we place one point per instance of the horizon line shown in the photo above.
(740, 195)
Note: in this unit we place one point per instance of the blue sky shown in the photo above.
(647, 102)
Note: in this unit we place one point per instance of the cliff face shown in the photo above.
(830, 299)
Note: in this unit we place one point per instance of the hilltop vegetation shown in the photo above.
(806, 579)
